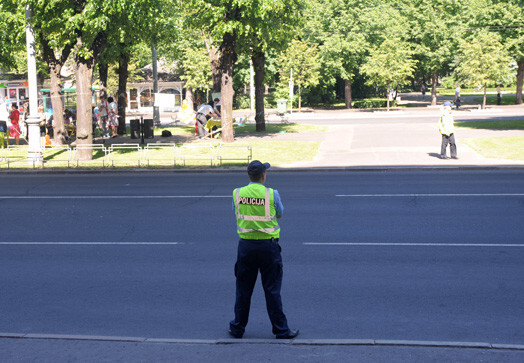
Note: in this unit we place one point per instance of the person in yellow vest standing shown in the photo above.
(447, 130)
(257, 209)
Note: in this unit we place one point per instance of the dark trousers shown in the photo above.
(201, 122)
(452, 146)
(263, 256)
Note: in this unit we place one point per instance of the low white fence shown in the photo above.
(197, 154)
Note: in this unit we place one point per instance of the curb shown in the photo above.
(303, 342)
(273, 169)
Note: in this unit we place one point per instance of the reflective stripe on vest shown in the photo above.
(272, 226)
(267, 217)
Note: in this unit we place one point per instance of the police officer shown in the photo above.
(257, 209)
(447, 130)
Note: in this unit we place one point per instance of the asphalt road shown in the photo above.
(407, 116)
(430, 255)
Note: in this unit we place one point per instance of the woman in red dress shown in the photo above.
(15, 127)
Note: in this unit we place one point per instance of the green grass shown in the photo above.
(250, 129)
(492, 125)
(175, 130)
(236, 153)
(284, 152)
(492, 100)
(504, 147)
(473, 91)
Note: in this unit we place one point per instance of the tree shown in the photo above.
(389, 65)
(56, 47)
(436, 27)
(483, 61)
(269, 25)
(196, 70)
(336, 26)
(302, 58)
(508, 20)
(12, 27)
(220, 19)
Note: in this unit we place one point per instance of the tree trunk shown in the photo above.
(299, 98)
(347, 93)
(259, 59)
(520, 79)
(214, 61)
(55, 67)
(227, 61)
(190, 98)
(434, 81)
(387, 98)
(123, 64)
(103, 70)
(57, 104)
(84, 127)
(484, 99)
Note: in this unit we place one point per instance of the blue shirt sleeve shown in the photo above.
(279, 207)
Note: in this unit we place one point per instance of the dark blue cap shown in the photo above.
(256, 167)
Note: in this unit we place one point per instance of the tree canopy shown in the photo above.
(367, 45)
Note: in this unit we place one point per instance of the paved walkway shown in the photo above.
(401, 144)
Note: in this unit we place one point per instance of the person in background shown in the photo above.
(204, 113)
(4, 116)
(14, 117)
(103, 111)
(499, 95)
(42, 124)
(447, 130)
(112, 116)
(217, 107)
(457, 101)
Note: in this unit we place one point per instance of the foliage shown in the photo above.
(372, 103)
(482, 60)
(302, 58)
(12, 26)
(390, 64)
(196, 68)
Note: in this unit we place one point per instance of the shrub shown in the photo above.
(372, 103)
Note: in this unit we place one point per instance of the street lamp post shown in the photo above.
(33, 121)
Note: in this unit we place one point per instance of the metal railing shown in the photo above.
(198, 154)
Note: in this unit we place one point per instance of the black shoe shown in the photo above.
(235, 335)
(454, 157)
(289, 335)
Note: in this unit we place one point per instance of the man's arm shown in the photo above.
(279, 207)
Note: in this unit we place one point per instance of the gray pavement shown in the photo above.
(407, 138)
(68, 298)
(355, 140)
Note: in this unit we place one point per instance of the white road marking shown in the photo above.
(111, 196)
(93, 243)
(412, 244)
(433, 195)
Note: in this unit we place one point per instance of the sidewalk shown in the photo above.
(408, 143)
(372, 146)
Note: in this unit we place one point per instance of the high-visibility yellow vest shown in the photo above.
(445, 125)
(255, 212)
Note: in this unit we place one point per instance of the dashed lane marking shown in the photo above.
(94, 243)
(111, 196)
(431, 195)
(413, 244)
